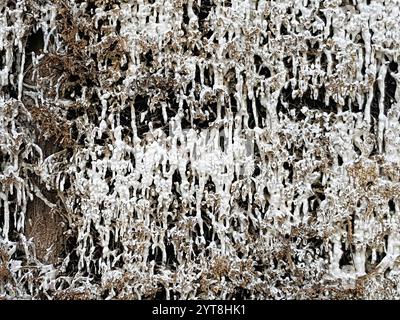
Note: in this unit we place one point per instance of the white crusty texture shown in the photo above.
(200, 149)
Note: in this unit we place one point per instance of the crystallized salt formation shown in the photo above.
(202, 149)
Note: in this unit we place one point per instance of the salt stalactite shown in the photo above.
(200, 149)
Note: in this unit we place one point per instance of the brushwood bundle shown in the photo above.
(199, 149)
